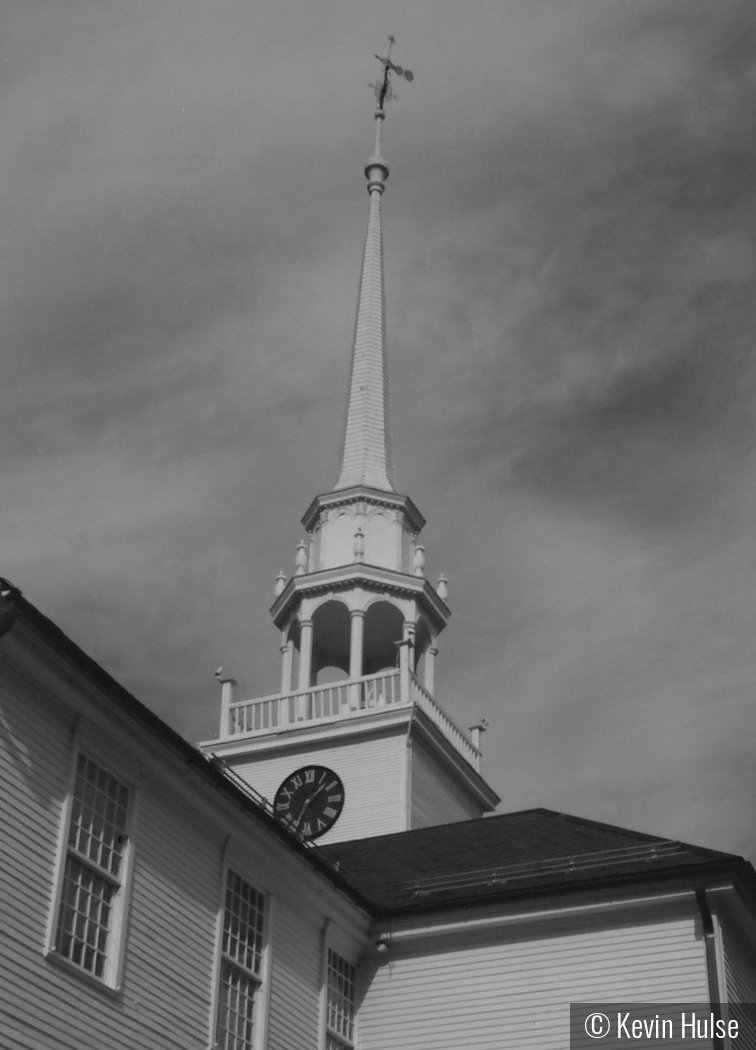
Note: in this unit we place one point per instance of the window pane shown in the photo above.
(236, 1009)
(340, 1001)
(243, 923)
(98, 816)
(84, 919)
(332, 1043)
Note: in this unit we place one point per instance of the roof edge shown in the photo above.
(62, 646)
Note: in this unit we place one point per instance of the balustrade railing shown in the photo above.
(443, 723)
(321, 703)
(339, 700)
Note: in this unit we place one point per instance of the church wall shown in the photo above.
(184, 835)
(33, 774)
(372, 769)
(740, 975)
(435, 797)
(510, 990)
(740, 967)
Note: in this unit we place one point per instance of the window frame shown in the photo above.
(330, 1037)
(111, 978)
(231, 866)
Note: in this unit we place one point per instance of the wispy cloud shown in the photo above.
(570, 264)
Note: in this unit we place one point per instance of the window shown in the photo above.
(241, 964)
(91, 898)
(339, 1003)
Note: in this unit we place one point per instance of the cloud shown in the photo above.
(570, 259)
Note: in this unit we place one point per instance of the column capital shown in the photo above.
(354, 613)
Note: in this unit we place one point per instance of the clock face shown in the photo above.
(310, 800)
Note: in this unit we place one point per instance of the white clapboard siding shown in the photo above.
(740, 967)
(294, 1004)
(34, 770)
(740, 979)
(513, 994)
(174, 907)
(436, 796)
(167, 989)
(173, 904)
(372, 770)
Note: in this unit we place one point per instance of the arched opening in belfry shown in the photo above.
(330, 642)
(422, 643)
(384, 626)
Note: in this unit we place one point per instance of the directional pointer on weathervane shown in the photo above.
(382, 88)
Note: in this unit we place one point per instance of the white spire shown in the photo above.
(366, 457)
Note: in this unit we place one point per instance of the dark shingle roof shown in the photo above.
(512, 855)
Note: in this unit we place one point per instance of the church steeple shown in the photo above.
(366, 457)
(359, 623)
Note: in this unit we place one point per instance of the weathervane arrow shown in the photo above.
(382, 89)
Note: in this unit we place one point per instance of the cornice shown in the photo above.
(364, 494)
(333, 730)
(398, 715)
(372, 577)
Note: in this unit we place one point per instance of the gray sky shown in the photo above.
(570, 254)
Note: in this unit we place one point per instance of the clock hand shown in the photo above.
(308, 802)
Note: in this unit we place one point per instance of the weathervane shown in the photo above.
(382, 88)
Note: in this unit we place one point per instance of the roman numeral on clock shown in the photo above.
(309, 801)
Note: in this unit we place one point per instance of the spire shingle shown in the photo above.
(366, 458)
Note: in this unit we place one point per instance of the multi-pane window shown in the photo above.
(339, 1003)
(94, 868)
(241, 964)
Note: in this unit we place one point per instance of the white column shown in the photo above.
(430, 666)
(356, 649)
(356, 643)
(305, 654)
(287, 659)
(405, 660)
(404, 669)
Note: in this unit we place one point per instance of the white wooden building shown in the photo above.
(324, 875)
(150, 899)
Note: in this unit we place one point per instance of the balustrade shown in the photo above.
(349, 698)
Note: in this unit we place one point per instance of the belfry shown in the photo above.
(359, 625)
